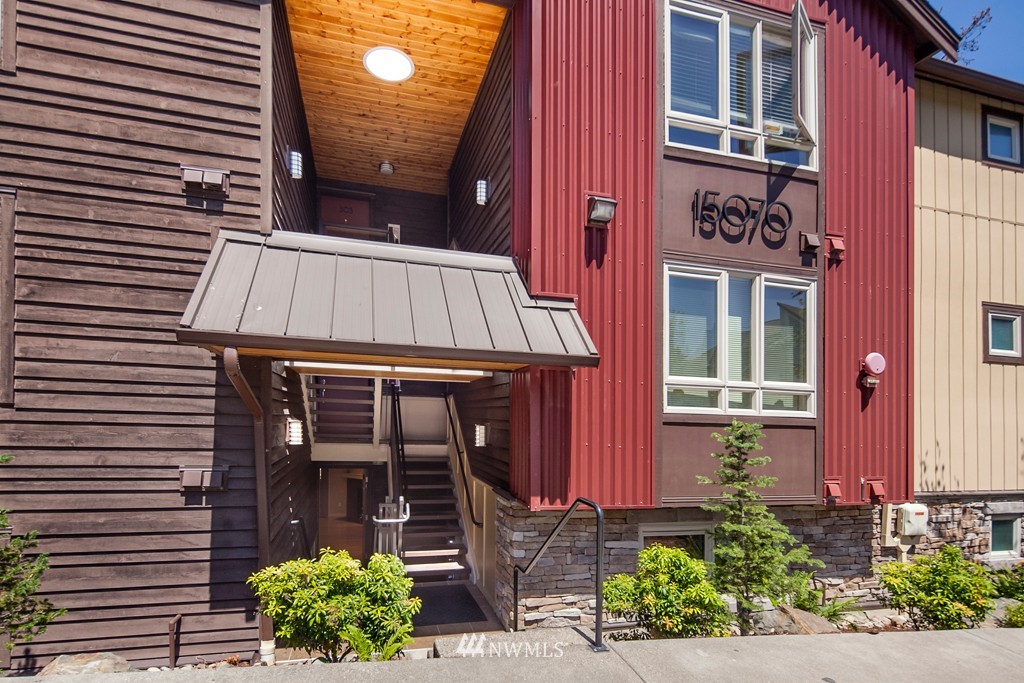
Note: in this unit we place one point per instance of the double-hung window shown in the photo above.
(738, 342)
(740, 85)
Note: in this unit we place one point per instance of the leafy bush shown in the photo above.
(1009, 583)
(22, 615)
(942, 591)
(1014, 617)
(755, 554)
(334, 606)
(834, 609)
(669, 597)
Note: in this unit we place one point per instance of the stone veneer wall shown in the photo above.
(560, 591)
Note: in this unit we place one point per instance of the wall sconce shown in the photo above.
(483, 191)
(600, 211)
(386, 168)
(295, 164)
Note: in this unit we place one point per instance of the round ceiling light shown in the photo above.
(389, 64)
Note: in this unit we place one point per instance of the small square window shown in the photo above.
(1002, 333)
(696, 539)
(1002, 137)
(1005, 537)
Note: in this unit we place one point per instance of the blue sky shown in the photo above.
(1002, 42)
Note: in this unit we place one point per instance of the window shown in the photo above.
(1001, 136)
(1005, 537)
(738, 343)
(742, 86)
(696, 538)
(1002, 333)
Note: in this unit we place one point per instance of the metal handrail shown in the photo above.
(598, 644)
(398, 441)
(300, 524)
(460, 456)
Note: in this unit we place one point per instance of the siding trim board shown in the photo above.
(6, 297)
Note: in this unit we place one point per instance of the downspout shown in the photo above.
(233, 369)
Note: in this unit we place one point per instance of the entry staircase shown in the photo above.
(349, 410)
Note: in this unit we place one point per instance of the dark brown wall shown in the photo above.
(293, 476)
(423, 217)
(485, 151)
(294, 200)
(108, 99)
(485, 401)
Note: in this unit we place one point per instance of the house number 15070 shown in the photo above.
(738, 211)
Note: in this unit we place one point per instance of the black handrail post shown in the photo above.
(598, 645)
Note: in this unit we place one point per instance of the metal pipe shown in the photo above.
(233, 369)
(598, 644)
(173, 640)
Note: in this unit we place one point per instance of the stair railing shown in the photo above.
(398, 444)
(387, 529)
(461, 460)
(598, 644)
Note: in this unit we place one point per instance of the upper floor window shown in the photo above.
(1002, 136)
(1002, 333)
(738, 342)
(740, 85)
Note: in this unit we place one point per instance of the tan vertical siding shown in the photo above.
(969, 431)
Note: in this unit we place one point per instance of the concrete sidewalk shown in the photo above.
(976, 655)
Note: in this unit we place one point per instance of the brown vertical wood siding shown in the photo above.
(485, 151)
(486, 401)
(109, 98)
(294, 199)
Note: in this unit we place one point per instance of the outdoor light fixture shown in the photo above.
(386, 168)
(295, 164)
(389, 64)
(600, 211)
(871, 368)
(483, 191)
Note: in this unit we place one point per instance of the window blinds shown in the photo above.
(694, 69)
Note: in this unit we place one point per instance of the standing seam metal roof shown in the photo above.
(352, 297)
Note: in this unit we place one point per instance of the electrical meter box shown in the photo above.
(912, 519)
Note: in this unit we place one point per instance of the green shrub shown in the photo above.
(755, 554)
(1014, 617)
(1010, 582)
(22, 614)
(942, 591)
(669, 597)
(332, 605)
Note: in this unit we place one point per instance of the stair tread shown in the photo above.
(434, 566)
(447, 551)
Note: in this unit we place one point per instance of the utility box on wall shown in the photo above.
(912, 519)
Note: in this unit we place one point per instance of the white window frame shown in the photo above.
(1005, 554)
(805, 81)
(758, 385)
(1015, 132)
(1015, 318)
(653, 529)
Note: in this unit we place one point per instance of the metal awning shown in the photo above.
(308, 297)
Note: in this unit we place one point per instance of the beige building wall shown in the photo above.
(969, 248)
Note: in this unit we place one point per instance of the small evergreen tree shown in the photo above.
(22, 614)
(755, 554)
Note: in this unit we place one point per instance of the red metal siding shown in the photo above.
(869, 195)
(591, 128)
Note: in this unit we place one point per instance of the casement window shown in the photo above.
(1005, 531)
(740, 85)
(738, 343)
(1001, 333)
(1001, 137)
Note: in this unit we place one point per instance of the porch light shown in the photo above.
(389, 64)
(483, 191)
(600, 211)
(386, 168)
(295, 164)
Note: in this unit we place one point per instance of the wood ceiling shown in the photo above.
(355, 120)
